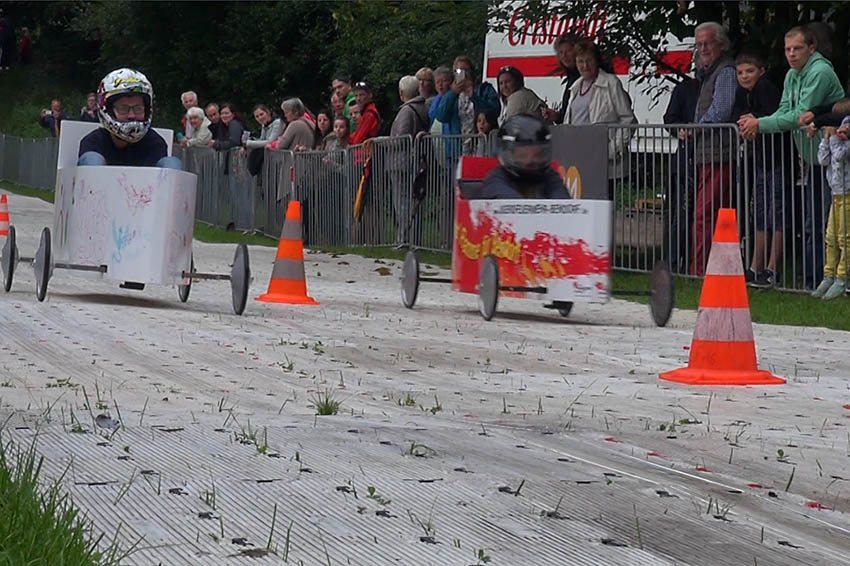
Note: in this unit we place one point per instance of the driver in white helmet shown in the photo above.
(525, 150)
(124, 107)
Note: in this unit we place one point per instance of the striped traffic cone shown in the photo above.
(723, 351)
(288, 283)
(4, 215)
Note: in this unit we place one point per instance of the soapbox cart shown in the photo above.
(132, 225)
(558, 251)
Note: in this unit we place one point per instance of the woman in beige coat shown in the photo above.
(598, 97)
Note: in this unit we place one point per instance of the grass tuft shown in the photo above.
(326, 404)
(38, 523)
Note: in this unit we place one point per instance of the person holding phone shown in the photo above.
(460, 104)
(52, 119)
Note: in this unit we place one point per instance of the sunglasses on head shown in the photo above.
(507, 69)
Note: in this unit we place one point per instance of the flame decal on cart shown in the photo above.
(527, 262)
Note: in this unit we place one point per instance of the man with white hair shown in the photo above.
(189, 100)
(412, 116)
(411, 119)
(713, 148)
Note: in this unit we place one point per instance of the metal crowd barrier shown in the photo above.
(666, 195)
(29, 162)
(666, 201)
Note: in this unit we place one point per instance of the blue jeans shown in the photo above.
(94, 159)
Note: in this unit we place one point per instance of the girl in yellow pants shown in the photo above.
(834, 153)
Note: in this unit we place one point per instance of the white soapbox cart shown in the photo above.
(132, 225)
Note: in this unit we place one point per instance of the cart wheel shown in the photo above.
(488, 287)
(240, 278)
(410, 279)
(564, 307)
(661, 293)
(9, 259)
(183, 290)
(42, 265)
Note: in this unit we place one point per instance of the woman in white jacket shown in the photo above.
(599, 98)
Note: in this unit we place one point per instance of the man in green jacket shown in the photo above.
(810, 82)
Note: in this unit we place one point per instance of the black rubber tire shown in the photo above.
(564, 307)
(9, 259)
(183, 290)
(410, 279)
(662, 293)
(240, 278)
(41, 265)
(488, 288)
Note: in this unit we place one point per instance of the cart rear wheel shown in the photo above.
(564, 307)
(488, 287)
(661, 293)
(9, 259)
(183, 290)
(410, 279)
(240, 278)
(41, 265)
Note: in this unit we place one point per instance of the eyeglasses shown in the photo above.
(124, 110)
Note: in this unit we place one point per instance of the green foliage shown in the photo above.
(31, 89)
(382, 41)
(39, 525)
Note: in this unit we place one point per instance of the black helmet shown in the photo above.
(525, 147)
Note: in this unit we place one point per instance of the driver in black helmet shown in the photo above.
(524, 153)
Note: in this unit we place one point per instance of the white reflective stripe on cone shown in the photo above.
(724, 259)
(723, 325)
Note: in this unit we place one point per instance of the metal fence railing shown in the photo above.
(666, 195)
(29, 162)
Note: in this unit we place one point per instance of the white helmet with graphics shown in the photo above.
(115, 86)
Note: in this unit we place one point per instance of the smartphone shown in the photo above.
(460, 75)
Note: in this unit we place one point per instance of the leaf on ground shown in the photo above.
(384, 270)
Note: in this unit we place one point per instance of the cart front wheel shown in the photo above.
(240, 278)
(183, 290)
(9, 259)
(488, 287)
(410, 279)
(661, 293)
(41, 265)
(564, 307)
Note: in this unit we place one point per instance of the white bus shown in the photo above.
(529, 46)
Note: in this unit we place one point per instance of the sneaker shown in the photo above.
(765, 279)
(823, 287)
(749, 275)
(836, 290)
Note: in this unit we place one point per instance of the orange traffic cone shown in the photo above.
(288, 283)
(723, 351)
(4, 215)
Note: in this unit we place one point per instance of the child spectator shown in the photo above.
(341, 131)
(758, 96)
(369, 124)
(834, 153)
(486, 122)
(354, 112)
